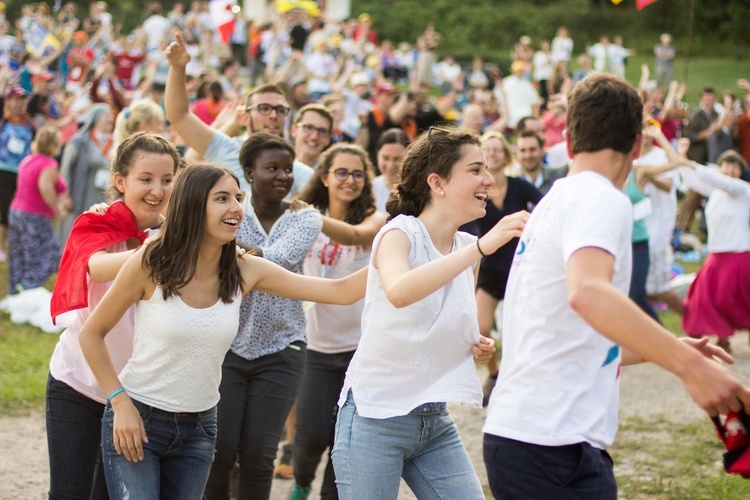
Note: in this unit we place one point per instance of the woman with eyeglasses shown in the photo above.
(341, 188)
(509, 195)
(420, 337)
(262, 371)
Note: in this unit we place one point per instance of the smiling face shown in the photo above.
(469, 184)
(494, 151)
(272, 175)
(347, 190)
(273, 122)
(147, 187)
(389, 162)
(312, 134)
(223, 210)
(731, 169)
(529, 153)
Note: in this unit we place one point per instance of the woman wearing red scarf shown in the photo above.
(96, 249)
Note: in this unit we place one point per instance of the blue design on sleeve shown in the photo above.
(612, 354)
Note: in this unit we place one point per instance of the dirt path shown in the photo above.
(646, 391)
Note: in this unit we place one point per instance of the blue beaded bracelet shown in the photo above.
(115, 393)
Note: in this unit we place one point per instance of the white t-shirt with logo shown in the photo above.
(559, 378)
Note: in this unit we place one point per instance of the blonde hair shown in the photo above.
(506, 146)
(130, 119)
(47, 141)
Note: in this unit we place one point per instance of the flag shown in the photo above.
(39, 41)
(642, 4)
(617, 2)
(223, 18)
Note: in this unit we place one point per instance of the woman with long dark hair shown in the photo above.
(159, 426)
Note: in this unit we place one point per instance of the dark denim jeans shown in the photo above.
(74, 442)
(176, 458)
(317, 406)
(256, 397)
(534, 472)
(637, 292)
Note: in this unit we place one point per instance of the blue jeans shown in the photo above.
(522, 470)
(423, 447)
(176, 459)
(74, 443)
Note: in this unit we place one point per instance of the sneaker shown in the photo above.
(284, 471)
(489, 384)
(299, 492)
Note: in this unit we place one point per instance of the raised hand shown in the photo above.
(176, 52)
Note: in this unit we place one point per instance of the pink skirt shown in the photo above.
(718, 302)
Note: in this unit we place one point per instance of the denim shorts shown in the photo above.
(176, 458)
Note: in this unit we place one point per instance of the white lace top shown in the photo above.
(178, 351)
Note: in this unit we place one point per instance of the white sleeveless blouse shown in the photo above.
(178, 351)
(420, 353)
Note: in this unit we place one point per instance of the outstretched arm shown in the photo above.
(196, 134)
(345, 233)
(646, 173)
(261, 275)
(404, 286)
(610, 312)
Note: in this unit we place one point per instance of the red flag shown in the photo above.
(642, 4)
(222, 14)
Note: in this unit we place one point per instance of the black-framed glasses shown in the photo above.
(342, 174)
(437, 129)
(265, 109)
(310, 129)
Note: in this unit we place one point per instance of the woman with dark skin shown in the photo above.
(262, 371)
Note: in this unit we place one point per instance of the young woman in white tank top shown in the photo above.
(420, 336)
(159, 424)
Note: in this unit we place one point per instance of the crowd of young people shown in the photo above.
(198, 339)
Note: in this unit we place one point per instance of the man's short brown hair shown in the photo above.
(315, 108)
(604, 112)
(268, 88)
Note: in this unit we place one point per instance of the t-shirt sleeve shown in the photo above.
(225, 151)
(602, 220)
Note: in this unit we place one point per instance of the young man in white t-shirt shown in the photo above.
(569, 324)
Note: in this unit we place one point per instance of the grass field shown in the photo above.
(722, 74)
